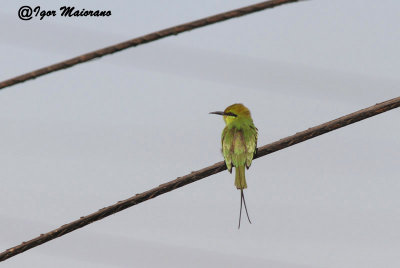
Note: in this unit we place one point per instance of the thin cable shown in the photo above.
(200, 174)
(145, 39)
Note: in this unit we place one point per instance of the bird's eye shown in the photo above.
(231, 114)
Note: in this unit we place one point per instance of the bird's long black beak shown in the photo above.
(225, 114)
(220, 113)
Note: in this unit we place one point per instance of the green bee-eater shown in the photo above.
(239, 144)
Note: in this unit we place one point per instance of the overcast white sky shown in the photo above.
(80, 139)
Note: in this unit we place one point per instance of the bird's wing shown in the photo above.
(238, 148)
(226, 140)
(251, 144)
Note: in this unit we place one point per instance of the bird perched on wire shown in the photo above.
(239, 144)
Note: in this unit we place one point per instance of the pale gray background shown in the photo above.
(83, 138)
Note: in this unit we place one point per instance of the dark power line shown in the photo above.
(200, 174)
(145, 39)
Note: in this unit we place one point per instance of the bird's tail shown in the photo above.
(243, 201)
(240, 183)
(240, 178)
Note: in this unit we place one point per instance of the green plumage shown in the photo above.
(239, 142)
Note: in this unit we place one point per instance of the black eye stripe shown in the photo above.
(231, 114)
